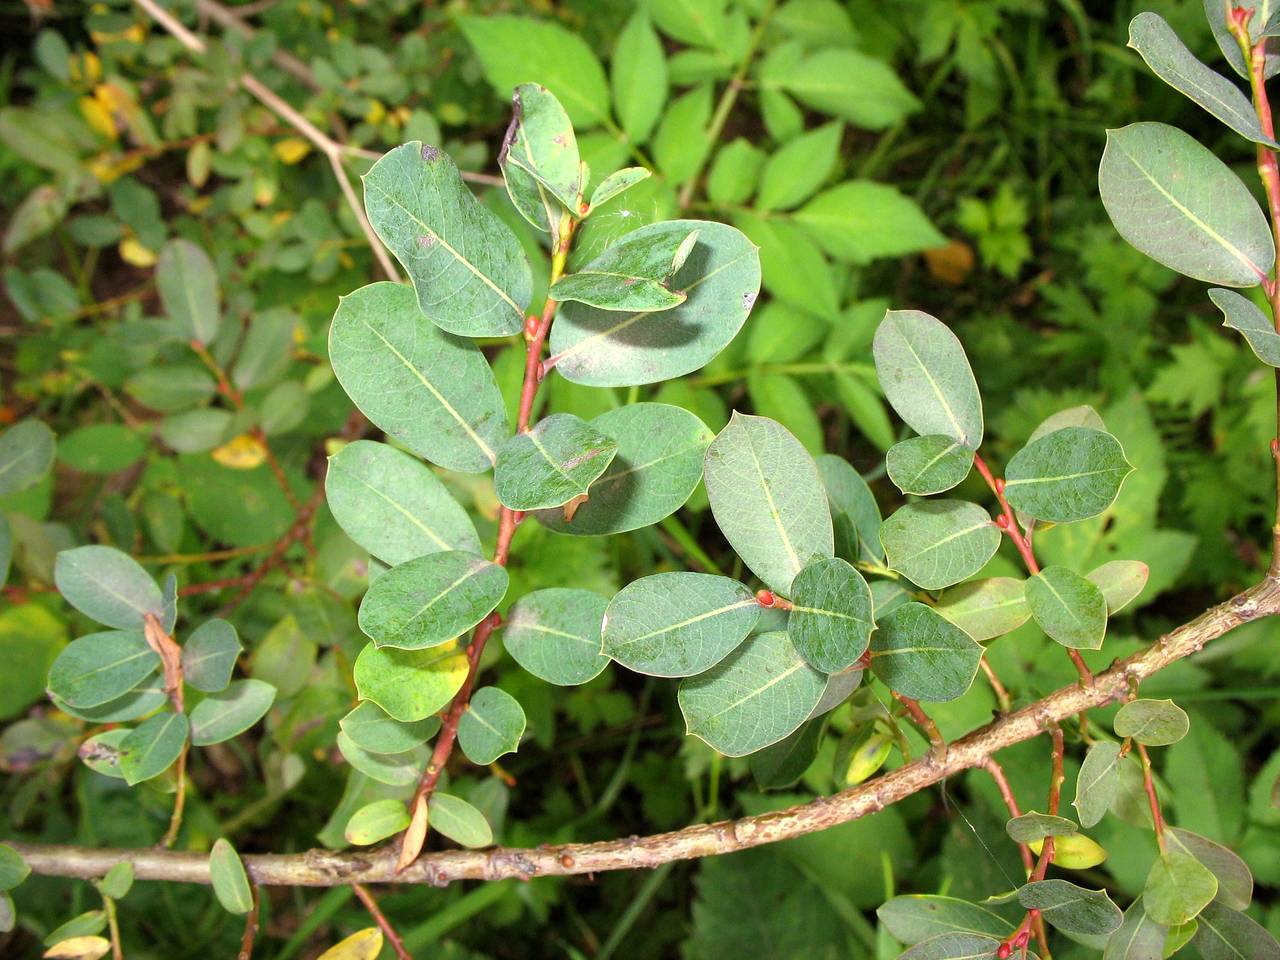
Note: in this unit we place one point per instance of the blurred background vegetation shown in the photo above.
(115, 139)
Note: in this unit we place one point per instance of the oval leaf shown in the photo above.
(986, 609)
(1070, 609)
(107, 585)
(551, 464)
(376, 821)
(756, 696)
(230, 882)
(153, 746)
(188, 286)
(1120, 581)
(721, 278)
(26, 455)
(677, 624)
(371, 729)
(467, 268)
(362, 945)
(831, 615)
(922, 655)
(855, 514)
(926, 377)
(1070, 474)
(938, 543)
(410, 685)
(431, 600)
(1235, 881)
(393, 505)
(231, 712)
(1242, 315)
(928, 465)
(101, 667)
(555, 635)
(1177, 889)
(431, 391)
(917, 917)
(1070, 908)
(1180, 205)
(459, 821)
(768, 499)
(491, 726)
(1097, 783)
(1156, 723)
(209, 656)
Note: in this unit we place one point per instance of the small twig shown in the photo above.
(925, 723)
(250, 926)
(997, 686)
(383, 923)
(113, 926)
(1148, 783)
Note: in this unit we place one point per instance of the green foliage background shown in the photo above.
(973, 123)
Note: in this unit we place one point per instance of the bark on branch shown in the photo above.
(319, 868)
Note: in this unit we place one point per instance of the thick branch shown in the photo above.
(318, 868)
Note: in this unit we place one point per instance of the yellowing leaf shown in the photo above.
(264, 191)
(376, 112)
(107, 168)
(291, 149)
(79, 948)
(98, 116)
(86, 68)
(951, 264)
(361, 945)
(1074, 851)
(241, 453)
(133, 252)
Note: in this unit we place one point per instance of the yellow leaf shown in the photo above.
(291, 149)
(199, 158)
(1074, 851)
(98, 116)
(133, 252)
(107, 168)
(951, 264)
(375, 113)
(240, 453)
(264, 190)
(361, 945)
(86, 68)
(79, 948)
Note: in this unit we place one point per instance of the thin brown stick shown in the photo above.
(381, 920)
(250, 926)
(1149, 785)
(322, 868)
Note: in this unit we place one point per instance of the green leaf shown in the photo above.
(602, 348)
(87, 924)
(209, 656)
(953, 946)
(101, 754)
(795, 172)
(926, 377)
(616, 183)
(370, 728)
(138, 702)
(638, 70)
(26, 455)
(1081, 416)
(795, 269)
(102, 448)
(986, 609)
(831, 615)
(539, 160)
(459, 821)
(1242, 314)
(230, 882)
(1262, 19)
(681, 144)
(754, 697)
(101, 667)
(632, 274)
(784, 763)
(230, 713)
(188, 286)
(735, 172)
(267, 349)
(1070, 908)
(848, 84)
(107, 585)
(768, 500)
(855, 514)
(937, 543)
(555, 635)
(1156, 723)
(1097, 783)
(1177, 889)
(514, 50)
(551, 464)
(915, 918)
(431, 600)
(1120, 581)
(117, 882)
(376, 821)
(657, 467)
(1235, 882)
(928, 465)
(13, 869)
(1171, 61)
(8, 915)
(922, 655)
(393, 505)
(860, 221)
(1226, 934)
(491, 726)
(1070, 474)
(467, 267)
(431, 391)
(780, 397)
(677, 624)
(395, 770)
(1070, 609)
(1180, 205)
(1033, 826)
(153, 746)
(410, 685)
(172, 387)
(1137, 938)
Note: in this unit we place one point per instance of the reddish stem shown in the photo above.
(388, 931)
(1148, 783)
